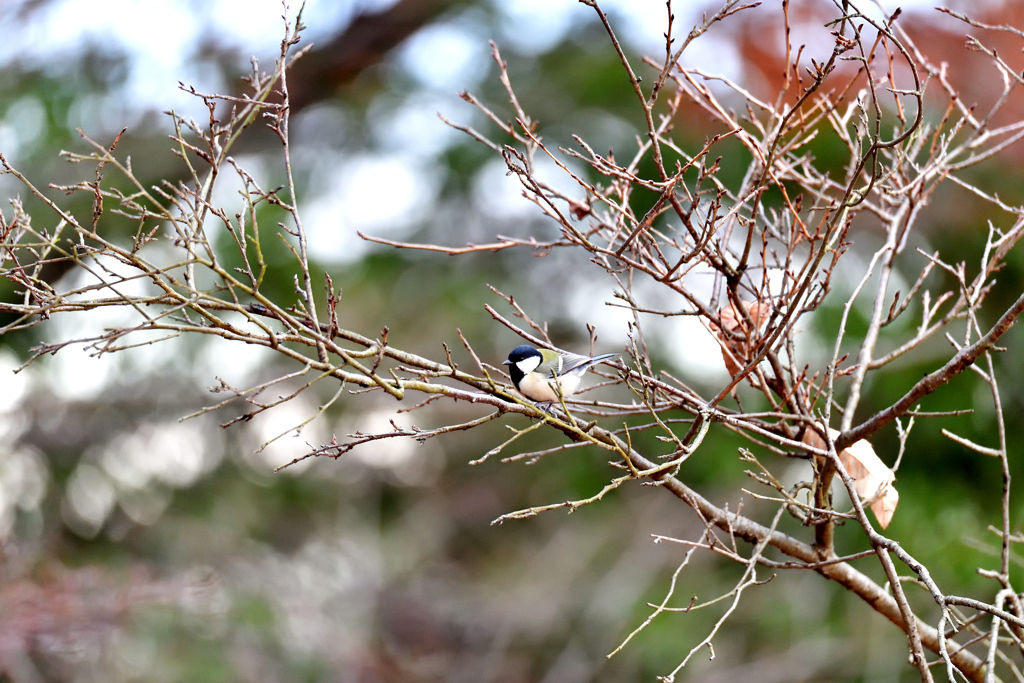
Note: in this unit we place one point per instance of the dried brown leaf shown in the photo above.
(872, 478)
(737, 352)
(578, 209)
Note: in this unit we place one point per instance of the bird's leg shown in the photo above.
(544, 407)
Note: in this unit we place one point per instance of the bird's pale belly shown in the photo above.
(536, 388)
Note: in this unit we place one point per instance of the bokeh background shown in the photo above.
(137, 547)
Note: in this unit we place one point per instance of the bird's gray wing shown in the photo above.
(572, 361)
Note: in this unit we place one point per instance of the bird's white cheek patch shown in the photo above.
(528, 365)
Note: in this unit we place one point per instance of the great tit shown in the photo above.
(543, 376)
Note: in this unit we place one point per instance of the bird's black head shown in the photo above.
(519, 354)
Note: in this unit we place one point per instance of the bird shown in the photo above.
(547, 376)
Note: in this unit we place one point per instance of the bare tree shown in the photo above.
(771, 248)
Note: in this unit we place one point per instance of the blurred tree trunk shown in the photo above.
(363, 43)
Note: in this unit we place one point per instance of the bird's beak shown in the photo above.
(506, 362)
